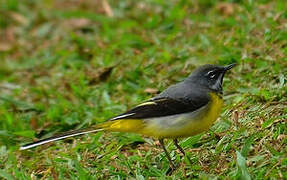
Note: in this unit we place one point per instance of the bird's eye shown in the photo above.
(211, 74)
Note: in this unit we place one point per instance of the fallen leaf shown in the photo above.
(235, 117)
(107, 8)
(114, 157)
(151, 90)
(281, 137)
(33, 123)
(19, 18)
(226, 9)
(100, 75)
(5, 46)
(77, 23)
(54, 174)
(10, 34)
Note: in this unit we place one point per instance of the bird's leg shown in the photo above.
(175, 141)
(167, 154)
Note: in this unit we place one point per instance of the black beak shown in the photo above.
(226, 68)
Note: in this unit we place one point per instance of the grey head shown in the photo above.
(209, 76)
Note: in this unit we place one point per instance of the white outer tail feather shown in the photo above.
(58, 137)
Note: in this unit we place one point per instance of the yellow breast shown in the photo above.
(185, 125)
(208, 117)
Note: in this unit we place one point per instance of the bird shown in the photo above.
(182, 110)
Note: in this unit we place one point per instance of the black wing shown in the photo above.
(160, 107)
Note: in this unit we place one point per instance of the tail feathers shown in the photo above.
(60, 136)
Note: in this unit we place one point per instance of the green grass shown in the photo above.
(71, 64)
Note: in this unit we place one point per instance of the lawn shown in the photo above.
(70, 64)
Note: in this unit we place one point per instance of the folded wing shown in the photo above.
(160, 107)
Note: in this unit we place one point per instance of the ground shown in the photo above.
(71, 64)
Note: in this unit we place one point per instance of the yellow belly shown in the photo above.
(175, 126)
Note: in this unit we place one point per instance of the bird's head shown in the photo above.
(210, 76)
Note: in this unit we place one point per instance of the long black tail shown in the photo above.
(61, 136)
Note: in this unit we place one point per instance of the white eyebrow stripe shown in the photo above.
(122, 116)
(212, 71)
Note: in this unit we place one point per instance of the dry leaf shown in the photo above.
(101, 75)
(5, 46)
(281, 137)
(107, 8)
(225, 8)
(235, 117)
(34, 123)
(19, 18)
(151, 90)
(77, 23)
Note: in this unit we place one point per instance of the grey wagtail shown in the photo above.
(182, 110)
